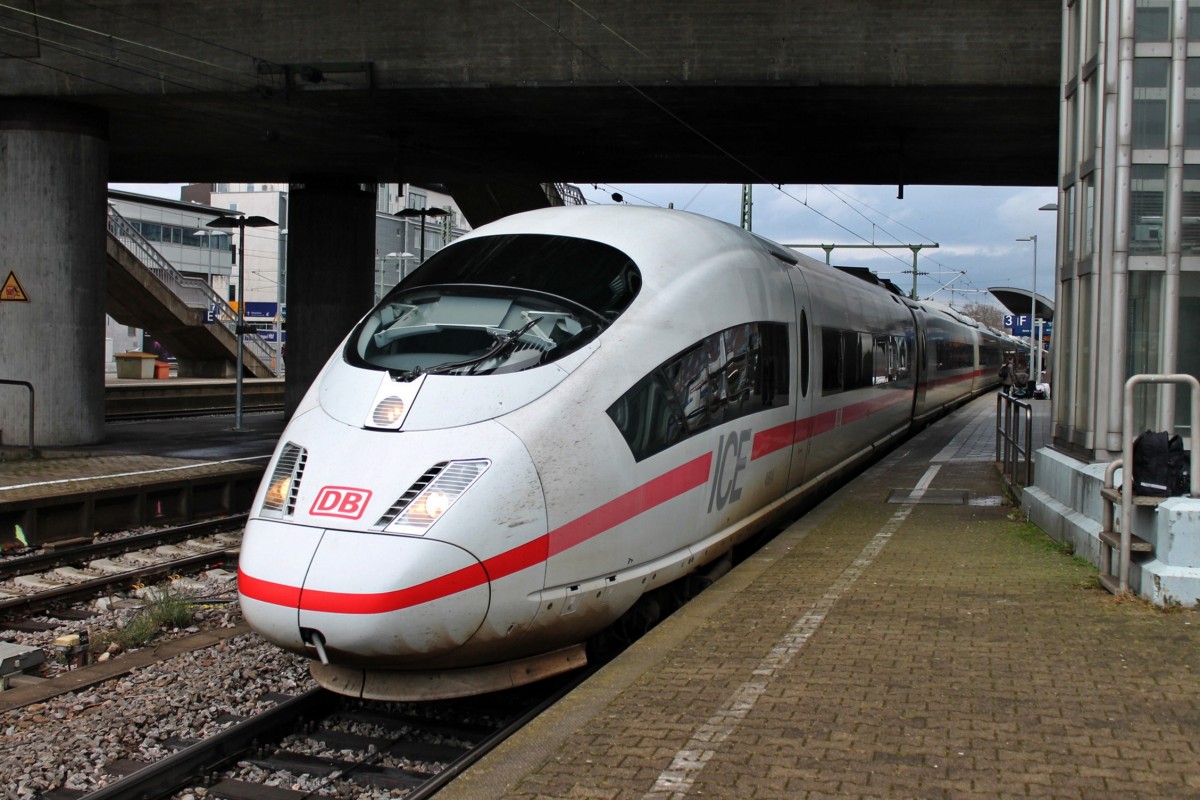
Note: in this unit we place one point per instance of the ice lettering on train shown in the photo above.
(730, 459)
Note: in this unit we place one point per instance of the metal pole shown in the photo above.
(237, 419)
(421, 233)
(915, 250)
(1032, 317)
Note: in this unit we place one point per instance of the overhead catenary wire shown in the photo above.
(778, 187)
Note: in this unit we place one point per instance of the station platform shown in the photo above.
(144, 472)
(911, 637)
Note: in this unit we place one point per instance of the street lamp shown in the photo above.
(410, 213)
(240, 222)
(1034, 354)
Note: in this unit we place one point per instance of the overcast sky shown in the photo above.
(976, 228)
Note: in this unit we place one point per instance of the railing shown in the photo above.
(1126, 532)
(1011, 446)
(28, 386)
(567, 193)
(193, 292)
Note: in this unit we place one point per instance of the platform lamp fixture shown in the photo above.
(1033, 343)
(241, 222)
(412, 213)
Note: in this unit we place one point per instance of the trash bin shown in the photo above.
(162, 370)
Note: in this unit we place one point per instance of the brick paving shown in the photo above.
(879, 650)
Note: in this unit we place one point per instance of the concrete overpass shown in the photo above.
(491, 99)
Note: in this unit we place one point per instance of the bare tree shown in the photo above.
(985, 313)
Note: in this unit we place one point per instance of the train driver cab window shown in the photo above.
(496, 304)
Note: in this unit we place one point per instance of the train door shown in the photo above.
(805, 376)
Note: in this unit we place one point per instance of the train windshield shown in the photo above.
(494, 305)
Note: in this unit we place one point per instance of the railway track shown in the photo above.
(334, 746)
(42, 581)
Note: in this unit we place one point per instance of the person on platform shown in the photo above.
(1007, 375)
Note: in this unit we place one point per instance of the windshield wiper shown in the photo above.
(502, 346)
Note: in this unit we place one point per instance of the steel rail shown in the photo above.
(97, 586)
(23, 565)
(177, 771)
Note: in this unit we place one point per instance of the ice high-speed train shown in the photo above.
(558, 414)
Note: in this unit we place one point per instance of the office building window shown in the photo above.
(1189, 244)
(1150, 102)
(1147, 183)
(1152, 21)
(1191, 112)
(1069, 232)
(1193, 21)
(1089, 216)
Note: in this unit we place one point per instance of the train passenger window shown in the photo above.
(648, 416)
(725, 376)
(831, 360)
(854, 360)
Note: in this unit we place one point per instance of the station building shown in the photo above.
(1129, 217)
(1128, 288)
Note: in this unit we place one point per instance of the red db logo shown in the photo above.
(340, 501)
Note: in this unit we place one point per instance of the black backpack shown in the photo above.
(1160, 465)
(1179, 463)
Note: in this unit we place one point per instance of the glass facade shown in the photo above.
(1144, 340)
(1147, 189)
(1150, 80)
(1130, 171)
(1152, 20)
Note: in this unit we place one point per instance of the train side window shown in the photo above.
(831, 360)
(722, 377)
(648, 417)
(803, 354)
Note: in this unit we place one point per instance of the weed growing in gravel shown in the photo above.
(164, 609)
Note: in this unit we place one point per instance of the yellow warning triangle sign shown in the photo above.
(12, 291)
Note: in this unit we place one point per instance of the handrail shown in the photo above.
(193, 292)
(1127, 458)
(1008, 434)
(29, 386)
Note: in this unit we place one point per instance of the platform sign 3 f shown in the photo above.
(11, 291)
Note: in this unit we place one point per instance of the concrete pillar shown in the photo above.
(330, 273)
(53, 174)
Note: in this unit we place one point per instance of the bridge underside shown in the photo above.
(965, 135)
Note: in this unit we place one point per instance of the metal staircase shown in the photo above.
(191, 320)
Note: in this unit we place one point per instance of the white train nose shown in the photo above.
(362, 596)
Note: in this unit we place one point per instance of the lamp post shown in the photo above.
(240, 222)
(411, 213)
(1034, 345)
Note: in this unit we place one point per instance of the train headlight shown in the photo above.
(277, 493)
(280, 499)
(431, 496)
(430, 505)
(389, 412)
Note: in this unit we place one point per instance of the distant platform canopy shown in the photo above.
(1018, 301)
